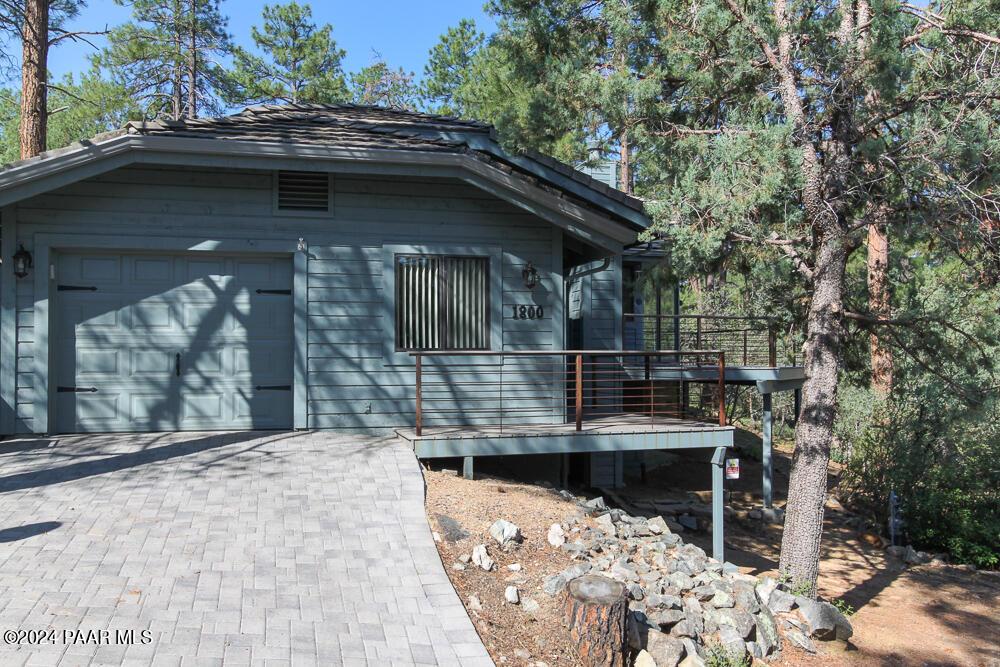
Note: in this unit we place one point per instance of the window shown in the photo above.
(442, 302)
(307, 191)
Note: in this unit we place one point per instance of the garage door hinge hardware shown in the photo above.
(274, 291)
(273, 387)
(76, 288)
(76, 390)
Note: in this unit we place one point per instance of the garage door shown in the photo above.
(172, 342)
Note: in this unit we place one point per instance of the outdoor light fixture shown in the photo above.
(530, 275)
(22, 261)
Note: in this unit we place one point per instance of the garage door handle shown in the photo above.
(76, 390)
(177, 364)
(273, 387)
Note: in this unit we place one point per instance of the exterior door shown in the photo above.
(154, 342)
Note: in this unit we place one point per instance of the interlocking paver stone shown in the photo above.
(263, 548)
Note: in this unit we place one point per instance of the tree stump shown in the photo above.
(594, 610)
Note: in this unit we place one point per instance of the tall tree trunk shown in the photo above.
(800, 541)
(878, 298)
(192, 109)
(625, 163)
(177, 94)
(34, 77)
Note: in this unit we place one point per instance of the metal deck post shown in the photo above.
(766, 451)
(467, 470)
(718, 468)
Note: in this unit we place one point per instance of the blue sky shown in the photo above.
(402, 31)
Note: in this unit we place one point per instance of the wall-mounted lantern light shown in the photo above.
(22, 261)
(530, 276)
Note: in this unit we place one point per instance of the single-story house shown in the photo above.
(271, 269)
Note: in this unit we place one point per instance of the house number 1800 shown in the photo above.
(528, 312)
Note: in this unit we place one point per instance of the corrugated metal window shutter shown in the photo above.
(303, 191)
(442, 303)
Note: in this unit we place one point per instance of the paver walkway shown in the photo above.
(235, 548)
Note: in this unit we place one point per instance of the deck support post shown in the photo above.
(767, 418)
(467, 469)
(718, 468)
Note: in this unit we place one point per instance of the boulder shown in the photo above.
(667, 651)
(637, 629)
(595, 505)
(505, 533)
(664, 601)
(797, 638)
(665, 618)
(681, 581)
(732, 642)
(554, 584)
(606, 525)
(764, 589)
(824, 620)
(657, 526)
(780, 602)
(644, 659)
(556, 536)
(636, 592)
(896, 551)
(481, 557)
(768, 638)
(742, 621)
(722, 600)
(694, 614)
(683, 628)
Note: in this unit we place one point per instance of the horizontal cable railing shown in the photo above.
(747, 341)
(593, 389)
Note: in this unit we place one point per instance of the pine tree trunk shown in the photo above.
(807, 486)
(594, 610)
(878, 299)
(625, 164)
(192, 110)
(34, 77)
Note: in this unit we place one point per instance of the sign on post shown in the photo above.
(732, 468)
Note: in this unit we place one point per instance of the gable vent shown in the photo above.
(303, 191)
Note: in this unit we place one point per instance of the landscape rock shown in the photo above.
(556, 536)
(722, 599)
(732, 641)
(664, 601)
(667, 651)
(505, 533)
(514, 567)
(825, 621)
(512, 595)
(530, 606)
(481, 558)
(474, 603)
(657, 526)
(666, 618)
(773, 515)
(452, 529)
(554, 584)
(913, 557)
(458, 567)
(796, 638)
(683, 628)
(522, 654)
(767, 636)
(694, 614)
(735, 618)
(644, 659)
(780, 602)
(607, 525)
(764, 589)
(595, 504)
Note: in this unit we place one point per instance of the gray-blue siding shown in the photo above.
(349, 383)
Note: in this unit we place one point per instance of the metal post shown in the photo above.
(579, 392)
(419, 408)
(766, 451)
(649, 379)
(718, 466)
(722, 388)
(677, 318)
(467, 470)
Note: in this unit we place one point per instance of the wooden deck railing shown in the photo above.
(521, 388)
(747, 341)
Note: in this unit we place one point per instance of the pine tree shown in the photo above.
(168, 56)
(298, 62)
(775, 135)
(379, 84)
(450, 68)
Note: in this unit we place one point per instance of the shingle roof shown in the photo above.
(356, 126)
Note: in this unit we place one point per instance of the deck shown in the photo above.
(623, 432)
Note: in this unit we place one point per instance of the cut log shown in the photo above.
(594, 610)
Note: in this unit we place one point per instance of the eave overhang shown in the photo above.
(610, 226)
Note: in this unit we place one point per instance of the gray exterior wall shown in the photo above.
(350, 382)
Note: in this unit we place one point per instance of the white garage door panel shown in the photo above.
(177, 342)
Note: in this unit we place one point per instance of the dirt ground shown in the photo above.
(925, 615)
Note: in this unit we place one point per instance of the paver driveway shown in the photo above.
(263, 548)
